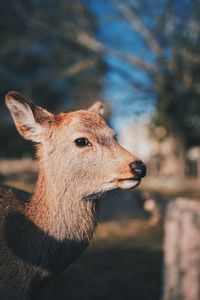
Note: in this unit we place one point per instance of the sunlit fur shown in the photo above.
(42, 233)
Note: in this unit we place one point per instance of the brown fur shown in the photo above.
(42, 233)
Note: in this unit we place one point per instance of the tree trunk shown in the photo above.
(182, 251)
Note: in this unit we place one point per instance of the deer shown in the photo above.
(79, 159)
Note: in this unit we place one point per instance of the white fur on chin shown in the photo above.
(128, 183)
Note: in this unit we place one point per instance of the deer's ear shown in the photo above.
(98, 107)
(31, 121)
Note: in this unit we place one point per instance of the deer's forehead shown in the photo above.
(87, 120)
(83, 121)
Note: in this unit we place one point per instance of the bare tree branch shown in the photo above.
(78, 67)
(98, 47)
(138, 25)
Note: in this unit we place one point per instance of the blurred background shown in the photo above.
(143, 58)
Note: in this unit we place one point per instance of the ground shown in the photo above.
(124, 261)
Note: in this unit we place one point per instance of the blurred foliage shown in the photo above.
(41, 56)
(178, 84)
(178, 77)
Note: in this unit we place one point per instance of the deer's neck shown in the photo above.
(58, 209)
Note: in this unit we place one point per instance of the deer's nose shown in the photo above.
(139, 169)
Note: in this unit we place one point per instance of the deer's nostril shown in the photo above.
(139, 169)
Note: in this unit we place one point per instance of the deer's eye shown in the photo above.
(82, 142)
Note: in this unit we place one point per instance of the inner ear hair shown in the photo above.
(99, 107)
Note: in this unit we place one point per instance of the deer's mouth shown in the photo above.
(128, 183)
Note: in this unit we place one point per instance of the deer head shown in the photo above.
(77, 150)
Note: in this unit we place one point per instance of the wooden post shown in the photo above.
(182, 250)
